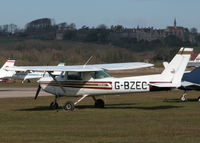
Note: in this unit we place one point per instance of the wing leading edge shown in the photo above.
(81, 68)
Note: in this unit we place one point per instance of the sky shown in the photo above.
(129, 13)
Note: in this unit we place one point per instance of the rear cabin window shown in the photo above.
(73, 76)
(99, 74)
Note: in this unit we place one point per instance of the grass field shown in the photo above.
(157, 117)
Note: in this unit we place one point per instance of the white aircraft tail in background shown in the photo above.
(5, 73)
(58, 73)
(195, 61)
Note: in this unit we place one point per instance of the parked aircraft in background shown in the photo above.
(32, 75)
(6, 75)
(190, 81)
(93, 80)
(195, 61)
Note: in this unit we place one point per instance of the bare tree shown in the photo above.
(102, 26)
(71, 26)
(194, 30)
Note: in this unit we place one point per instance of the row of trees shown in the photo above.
(9, 29)
(47, 29)
(47, 24)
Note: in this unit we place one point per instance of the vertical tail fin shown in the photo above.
(175, 69)
(58, 73)
(8, 63)
(61, 64)
(4, 73)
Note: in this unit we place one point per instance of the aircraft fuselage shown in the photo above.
(104, 86)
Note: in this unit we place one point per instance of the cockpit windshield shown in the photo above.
(100, 74)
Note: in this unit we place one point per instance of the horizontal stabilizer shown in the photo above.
(164, 85)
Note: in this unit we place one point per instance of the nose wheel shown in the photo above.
(54, 104)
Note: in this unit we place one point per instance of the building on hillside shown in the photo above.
(178, 31)
(147, 34)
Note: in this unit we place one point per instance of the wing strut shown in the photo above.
(87, 61)
(60, 84)
(80, 99)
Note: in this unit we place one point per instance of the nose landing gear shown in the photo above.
(53, 105)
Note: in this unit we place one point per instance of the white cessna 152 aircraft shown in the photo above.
(92, 80)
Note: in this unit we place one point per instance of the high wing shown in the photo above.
(83, 68)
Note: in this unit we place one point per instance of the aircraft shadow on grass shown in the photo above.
(179, 101)
(2, 89)
(160, 107)
(14, 90)
(108, 106)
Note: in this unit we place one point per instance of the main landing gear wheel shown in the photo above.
(69, 106)
(198, 99)
(99, 103)
(54, 105)
(183, 97)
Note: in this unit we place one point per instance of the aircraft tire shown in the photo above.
(69, 106)
(53, 105)
(183, 99)
(99, 103)
(198, 99)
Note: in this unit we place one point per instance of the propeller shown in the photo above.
(38, 91)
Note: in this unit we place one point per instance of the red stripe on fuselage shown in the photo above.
(84, 84)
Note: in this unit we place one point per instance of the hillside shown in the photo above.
(51, 52)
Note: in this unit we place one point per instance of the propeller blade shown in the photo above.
(38, 91)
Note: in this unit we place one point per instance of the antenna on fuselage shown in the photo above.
(87, 61)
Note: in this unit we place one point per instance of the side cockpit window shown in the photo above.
(73, 75)
(99, 74)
